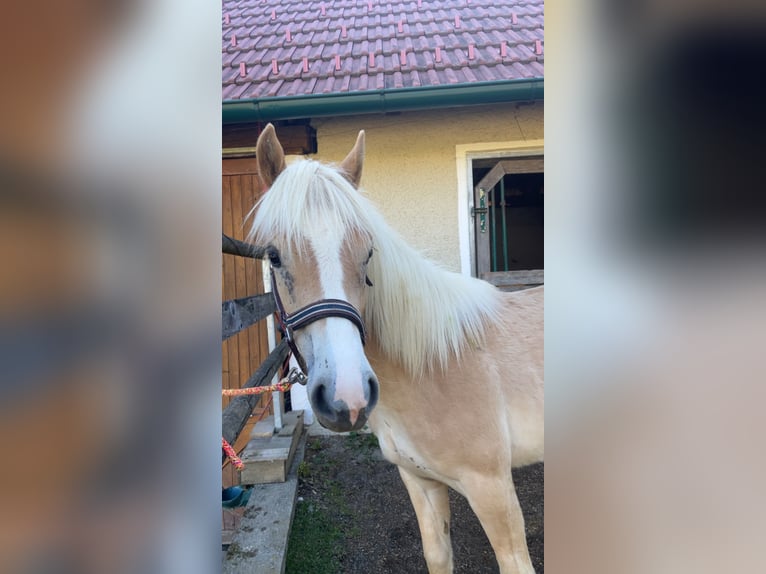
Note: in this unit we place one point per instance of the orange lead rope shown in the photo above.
(232, 455)
(293, 377)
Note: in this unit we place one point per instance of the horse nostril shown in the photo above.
(319, 399)
(372, 385)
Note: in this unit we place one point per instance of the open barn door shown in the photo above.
(508, 211)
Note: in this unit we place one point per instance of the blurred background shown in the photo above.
(656, 297)
(109, 318)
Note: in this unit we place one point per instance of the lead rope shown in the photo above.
(295, 376)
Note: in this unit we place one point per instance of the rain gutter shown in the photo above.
(380, 101)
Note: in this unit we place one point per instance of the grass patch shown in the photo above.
(362, 441)
(314, 543)
(304, 470)
(337, 498)
(314, 444)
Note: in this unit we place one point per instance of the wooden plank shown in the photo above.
(510, 280)
(262, 429)
(268, 459)
(233, 167)
(493, 176)
(270, 448)
(250, 194)
(254, 277)
(240, 289)
(229, 476)
(229, 347)
(224, 350)
(517, 165)
(531, 164)
(237, 230)
(229, 290)
(239, 314)
(520, 276)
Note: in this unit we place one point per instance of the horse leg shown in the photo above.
(495, 503)
(431, 501)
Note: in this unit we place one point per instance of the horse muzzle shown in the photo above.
(342, 412)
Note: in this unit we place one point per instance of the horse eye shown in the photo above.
(369, 255)
(273, 256)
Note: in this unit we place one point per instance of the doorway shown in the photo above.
(509, 220)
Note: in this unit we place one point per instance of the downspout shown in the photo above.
(381, 101)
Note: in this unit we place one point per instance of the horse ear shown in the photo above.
(352, 165)
(270, 155)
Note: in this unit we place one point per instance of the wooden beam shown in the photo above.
(236, 414)
(515, 280)
(506, 166)
(239, 314)
(238, 140)
(236, 247)
(239, 166)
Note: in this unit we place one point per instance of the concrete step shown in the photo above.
(259, 546)
(267, 457)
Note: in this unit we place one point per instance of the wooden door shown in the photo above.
(241, 276)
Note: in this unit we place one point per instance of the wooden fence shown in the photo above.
(236, 316)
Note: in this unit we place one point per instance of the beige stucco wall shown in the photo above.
(410, 170)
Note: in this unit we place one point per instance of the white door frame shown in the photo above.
(465, 154)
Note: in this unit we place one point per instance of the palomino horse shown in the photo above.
(448, 369)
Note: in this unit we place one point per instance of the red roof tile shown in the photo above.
(400, 37)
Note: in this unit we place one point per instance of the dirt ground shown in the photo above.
(363, 500)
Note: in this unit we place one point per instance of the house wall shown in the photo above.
(410, 170)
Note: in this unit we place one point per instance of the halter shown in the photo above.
(304, 316)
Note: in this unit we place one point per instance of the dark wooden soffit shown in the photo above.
(238, 140)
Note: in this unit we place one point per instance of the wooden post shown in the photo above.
(277, 401)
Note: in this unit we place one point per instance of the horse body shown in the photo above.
(451, 374)
(466, 428)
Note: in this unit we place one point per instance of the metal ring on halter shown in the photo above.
(296, 377)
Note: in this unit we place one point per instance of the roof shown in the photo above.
(283, 49)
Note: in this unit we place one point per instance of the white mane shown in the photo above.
(420, 314)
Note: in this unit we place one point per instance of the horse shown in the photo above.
(446, 368)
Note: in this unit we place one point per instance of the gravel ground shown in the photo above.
(347, 478)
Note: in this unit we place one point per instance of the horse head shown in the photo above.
(319, 271)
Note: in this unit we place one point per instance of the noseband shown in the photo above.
(304, 316)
